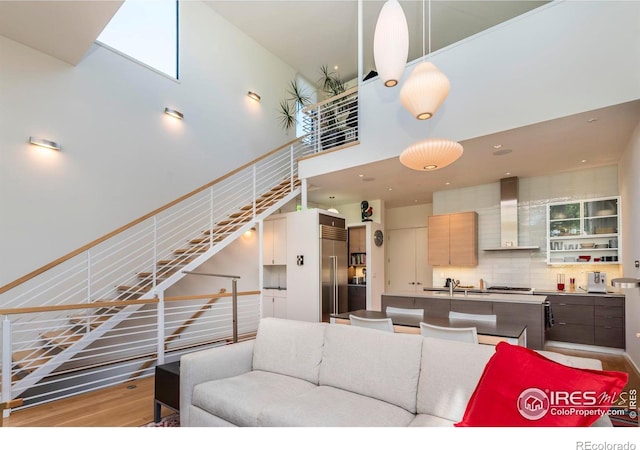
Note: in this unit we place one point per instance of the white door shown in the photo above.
(407, 266)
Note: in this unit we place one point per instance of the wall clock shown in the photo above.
(378, 237)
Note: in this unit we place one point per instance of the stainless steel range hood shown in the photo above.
(509, 217)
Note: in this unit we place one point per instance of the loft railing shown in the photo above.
(138, 261)
(130, 350)
(333, 123)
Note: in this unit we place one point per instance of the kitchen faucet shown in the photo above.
(452, 285)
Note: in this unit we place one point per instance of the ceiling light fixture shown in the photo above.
(427, 87)
(253, 96)
(45, 143)
(332, 209)
(431, 154)
(391, 43)
(174, 113)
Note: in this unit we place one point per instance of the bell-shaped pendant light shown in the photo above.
(391, 43)
(424, 91)
(431, 154)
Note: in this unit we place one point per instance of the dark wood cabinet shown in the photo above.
(472, 306)
(591, 320)
(357, 297)
(434, 307)
(531, 314)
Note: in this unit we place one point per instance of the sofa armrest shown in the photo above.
(208, 365)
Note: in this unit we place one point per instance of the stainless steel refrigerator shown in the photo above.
(333, 270)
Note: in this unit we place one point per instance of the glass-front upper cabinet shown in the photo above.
(584, 232)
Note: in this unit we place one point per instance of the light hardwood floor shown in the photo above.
(129, 406)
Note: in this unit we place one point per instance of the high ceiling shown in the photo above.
(308, 34)
(560, 146)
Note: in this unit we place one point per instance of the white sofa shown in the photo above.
(318, 374)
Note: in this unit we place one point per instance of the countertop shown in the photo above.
(534, 292)
(477, 296)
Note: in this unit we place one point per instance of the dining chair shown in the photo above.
(405, 311)
(376, 324)
(466, 316)
(469, 334)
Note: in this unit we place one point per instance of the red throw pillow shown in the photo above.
(521, 388)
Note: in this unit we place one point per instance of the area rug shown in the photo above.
(168, 421)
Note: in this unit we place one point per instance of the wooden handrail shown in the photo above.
(346, 93)
(115, 303)
(95, 242)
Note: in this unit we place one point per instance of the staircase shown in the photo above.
(134, 265)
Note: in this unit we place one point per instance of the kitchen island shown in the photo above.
(489, 333)
(525, 308)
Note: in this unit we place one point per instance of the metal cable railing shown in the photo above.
(138, 261)
(65, 329)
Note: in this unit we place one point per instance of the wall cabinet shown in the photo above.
(358, 246)
(591, 320)
(453, 239)
(584, 232)
(274, 303)
(274, 242)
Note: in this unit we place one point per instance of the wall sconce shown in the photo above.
(249, 232)
(174, 113)
(45, 143)
(253, 96)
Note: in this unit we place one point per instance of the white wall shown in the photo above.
(552, 62)
(524, 268)
(629, 168)
(121, 156)
(408, 216)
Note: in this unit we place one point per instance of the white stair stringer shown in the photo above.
(68, 353)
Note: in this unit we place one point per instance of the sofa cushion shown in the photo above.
(374, 363)
(450, 371)
(239, 400)
(325, 406)
(426, 420)
(289, 347)
(520, 388)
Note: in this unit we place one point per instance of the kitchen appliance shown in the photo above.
(597, 282)
(333, 270)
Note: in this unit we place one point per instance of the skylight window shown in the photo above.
(146, 31)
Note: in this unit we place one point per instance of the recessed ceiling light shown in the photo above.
(447, 183)
(508, 173)
(583, 161)
(361, 175)
(497, 146)
(390, 189)
(335, 67)
(502, 152)
(593, 119)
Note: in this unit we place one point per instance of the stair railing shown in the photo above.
(124, 354)
(145, 257)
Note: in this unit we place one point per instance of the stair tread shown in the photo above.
(35, 357)
(62, 338)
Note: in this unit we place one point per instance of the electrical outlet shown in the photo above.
(637, 264)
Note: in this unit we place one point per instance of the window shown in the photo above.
(146, 31)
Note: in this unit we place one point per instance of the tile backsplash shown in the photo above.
(524, 268)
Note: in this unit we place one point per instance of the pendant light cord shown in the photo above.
(429, 27)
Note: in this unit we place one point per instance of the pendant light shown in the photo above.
(431, 154)
(426, 88)
(391, 43)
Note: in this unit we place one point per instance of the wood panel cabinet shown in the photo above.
(358, 246)
(357, 297)
(531, 314)
(592, 320)
(274, 242)
(453, 239)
